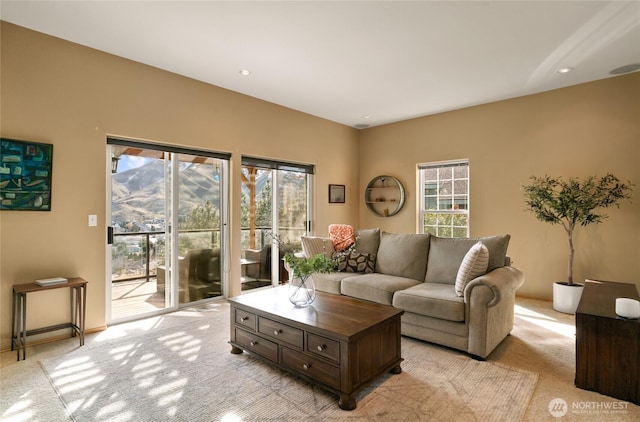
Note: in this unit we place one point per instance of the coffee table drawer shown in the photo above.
(246, 319)
(259, 345)
(323, 346)
(312, 367)
(282, 332)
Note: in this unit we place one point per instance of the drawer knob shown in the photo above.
(244, 318)
(306, 365)
(253, 343)
(322, 347)
(276, 332)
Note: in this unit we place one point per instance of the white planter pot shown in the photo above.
(565, 297)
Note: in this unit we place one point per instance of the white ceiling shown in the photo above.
(343, 60)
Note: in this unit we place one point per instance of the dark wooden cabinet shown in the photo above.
(607, 346)
(339, 343)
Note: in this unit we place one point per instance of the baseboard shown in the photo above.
(544, 299)
(56, 338)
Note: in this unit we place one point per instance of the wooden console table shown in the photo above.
(607, 346)
(78, 298)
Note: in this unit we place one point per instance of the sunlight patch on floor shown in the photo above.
(546, 322)
(231, 417)
(20, 411)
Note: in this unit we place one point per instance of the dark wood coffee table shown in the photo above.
(338, 343)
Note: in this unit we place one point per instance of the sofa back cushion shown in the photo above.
(403, 255)
(367, 241)
(446, 255)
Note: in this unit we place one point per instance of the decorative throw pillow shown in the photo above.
(312, 246)
(356, 262)
(473, 265)
(342, 236)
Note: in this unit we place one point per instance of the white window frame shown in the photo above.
(448, 228)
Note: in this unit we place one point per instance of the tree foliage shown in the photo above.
(204, 216)
(263, 207)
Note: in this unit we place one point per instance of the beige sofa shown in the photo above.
(417, 273)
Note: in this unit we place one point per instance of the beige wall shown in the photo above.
(586, 129)
(71, 96)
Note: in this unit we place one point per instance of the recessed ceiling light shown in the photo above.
(366, 116)
(565, 69)
(245, 72)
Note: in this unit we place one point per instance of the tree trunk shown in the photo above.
(570, 265)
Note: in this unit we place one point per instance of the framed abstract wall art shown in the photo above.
(25, 175)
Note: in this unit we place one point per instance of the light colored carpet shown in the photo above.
(179, 367)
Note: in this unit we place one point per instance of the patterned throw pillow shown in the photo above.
(342, 236)
(355, 262)
(473, 265)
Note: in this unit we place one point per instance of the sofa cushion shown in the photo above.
(431, 299)
(403, 255)
(474, 264)
(312, 246)
(329, 282)
(375, 287)
(356, 262)
(342, 236)
(446, 254)
(367, 241)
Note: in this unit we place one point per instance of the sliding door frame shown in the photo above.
(171, 204)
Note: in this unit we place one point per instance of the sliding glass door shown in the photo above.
(275, 200)
(166, 212)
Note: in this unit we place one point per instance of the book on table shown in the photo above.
(50, 281)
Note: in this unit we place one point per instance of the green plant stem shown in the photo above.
(302, 284)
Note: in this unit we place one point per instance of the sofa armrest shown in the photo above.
(489, 306)
(501, 282)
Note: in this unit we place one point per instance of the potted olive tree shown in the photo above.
(570, 203)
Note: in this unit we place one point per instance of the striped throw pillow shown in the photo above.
(312, 246)
(473, 265)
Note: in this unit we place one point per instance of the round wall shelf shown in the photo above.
(384, 196)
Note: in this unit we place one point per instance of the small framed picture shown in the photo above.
(336, 194)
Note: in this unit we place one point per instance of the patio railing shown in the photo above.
(135, 255)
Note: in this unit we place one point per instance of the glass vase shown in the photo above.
(302, 291)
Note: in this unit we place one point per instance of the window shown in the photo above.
(444, 198)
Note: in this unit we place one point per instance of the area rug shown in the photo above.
(179, 367)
